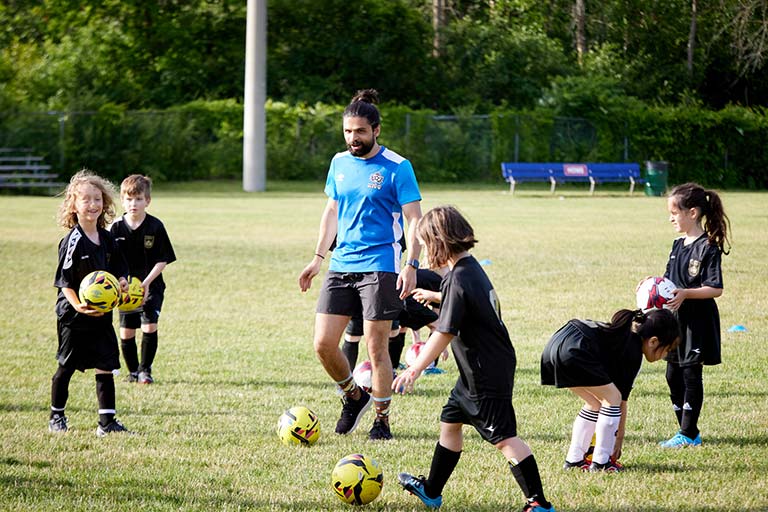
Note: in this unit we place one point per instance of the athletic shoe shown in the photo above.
(380, 431)
(132, 377)
(535, 506)
(582, 465)
(113, 427)
(681, 441)
(146, 378)
(433, 371)
(352, 411)
(415, 486)
(609, 467)
(58, 424)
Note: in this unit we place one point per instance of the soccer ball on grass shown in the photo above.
(298, 426)
(357, 479)
(362, 375)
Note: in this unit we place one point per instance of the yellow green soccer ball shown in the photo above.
(100, 290)
(298, 425)
(357, 479)
(133, 297)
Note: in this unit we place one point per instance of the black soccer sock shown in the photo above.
(676, 385)
(60, 389)
(350, 350)
(694, 399)
(396, 345)
(443, 463)
(526, 472)
(105, 394)
(148, 350)
(128, 346)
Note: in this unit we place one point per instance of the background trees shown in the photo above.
(65, 54)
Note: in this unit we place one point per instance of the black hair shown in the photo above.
(661, 323)
(363, 104)
(716, 222)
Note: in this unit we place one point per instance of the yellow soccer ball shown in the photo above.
(100, 290)
(298, 426)
(357, 479)
(133, 297)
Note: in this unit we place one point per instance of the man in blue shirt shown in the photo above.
(370, 190)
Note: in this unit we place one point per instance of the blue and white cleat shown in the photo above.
(415, 486)
(681, 441)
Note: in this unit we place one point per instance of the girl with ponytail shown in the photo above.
(694, 266)
(599, 362)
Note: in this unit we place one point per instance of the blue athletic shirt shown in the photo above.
(370, 194)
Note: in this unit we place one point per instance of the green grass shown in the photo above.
(235, 351)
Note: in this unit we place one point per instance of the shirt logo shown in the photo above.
(693, 268)
(149, 241)
(375, 180)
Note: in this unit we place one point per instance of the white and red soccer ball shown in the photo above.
(362, 375)
(413, 353)
(655, 293)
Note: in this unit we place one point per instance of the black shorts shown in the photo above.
(568, 361)
(148, 313)
(81, 348)
(493, 418)
(369, 295)
(355, 326)
(416, 315)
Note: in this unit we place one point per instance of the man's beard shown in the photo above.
(362, 150)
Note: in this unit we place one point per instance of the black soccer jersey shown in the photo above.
(582, 353)
(693, 266)
(144, 247)
(470, 311)
(78, 257)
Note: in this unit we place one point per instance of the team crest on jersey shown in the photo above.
(375, 180)
(693, 267)
(149, 241)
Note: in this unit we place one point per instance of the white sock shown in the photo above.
(605, 433)
(581, 436)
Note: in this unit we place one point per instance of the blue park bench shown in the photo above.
(558, 172)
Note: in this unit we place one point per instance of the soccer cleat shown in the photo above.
(146, 378)
(113, 427)
(415, 486)
(352, 411)
(132, 377)
(534, 506)
(582, 465)
(680, 440)
(58, 424)
(609, 467)
(380, 431)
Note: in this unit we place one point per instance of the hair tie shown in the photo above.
(639, 316)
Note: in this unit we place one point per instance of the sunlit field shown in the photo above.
(235, 350)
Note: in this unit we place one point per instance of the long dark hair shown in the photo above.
(656, 322)
(716, 223)
(363, 104)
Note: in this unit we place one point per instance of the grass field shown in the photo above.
(235, 351)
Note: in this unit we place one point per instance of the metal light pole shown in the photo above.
(254, 116)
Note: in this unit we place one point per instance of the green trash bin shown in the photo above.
(655, 178)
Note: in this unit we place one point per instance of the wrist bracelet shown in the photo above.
(320, 255)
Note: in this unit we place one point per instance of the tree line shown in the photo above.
(445, 55)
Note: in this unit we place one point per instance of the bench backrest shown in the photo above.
(542, 171)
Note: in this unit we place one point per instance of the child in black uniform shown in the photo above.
(145, 243)
(599, 363)
(482, 397)
(86, 336)
(694, 266)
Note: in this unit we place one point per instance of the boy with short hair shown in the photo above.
(144, 241)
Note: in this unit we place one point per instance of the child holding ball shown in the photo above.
(694, 266)
(86, 336)
(145, 243)
(598, 362)
(470, 321)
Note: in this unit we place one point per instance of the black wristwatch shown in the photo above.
(413, 263)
